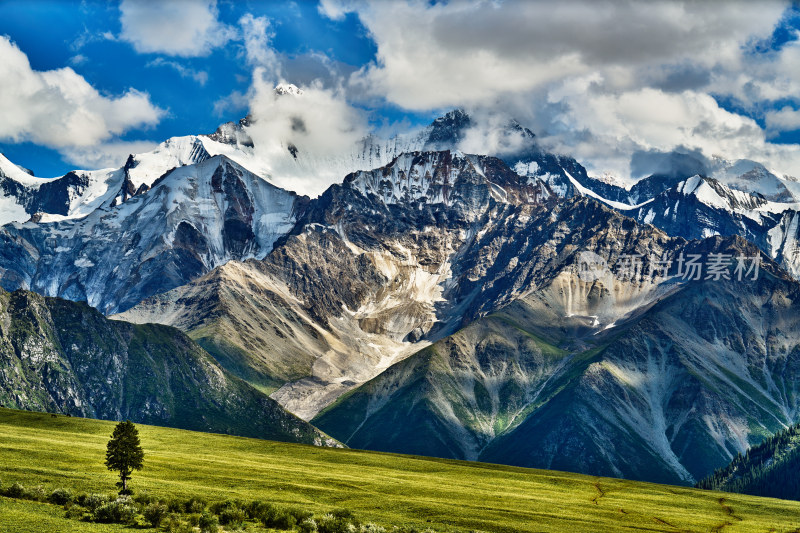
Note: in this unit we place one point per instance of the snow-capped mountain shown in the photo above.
(192, 220)
(435, 282)
(702, 207)
(357, 282)
(443, 292)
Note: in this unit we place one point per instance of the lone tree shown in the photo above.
(124, 453)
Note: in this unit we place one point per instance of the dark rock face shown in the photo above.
(65, 357)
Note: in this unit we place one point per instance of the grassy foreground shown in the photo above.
(387, 489)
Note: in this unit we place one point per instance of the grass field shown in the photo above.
(37, 449)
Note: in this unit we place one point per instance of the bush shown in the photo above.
(232, 516)
(93, 501)
(36, 494)
(15, 491)
(208, 523)
(309, 525)
(278, 518)
(195, 505)
(174, 505)
(155, 514)
(256, 509)
(76, 512)
(174, 524)
(300, 514)
(371, 528)
(143, 498)
(120, 511)
(60, 497)
(339, 521)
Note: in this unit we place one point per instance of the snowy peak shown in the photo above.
(749, 176)
(446, 177)
(288, 88)
(22, 176)
(714, 194)
(146, 168)
(233, 133)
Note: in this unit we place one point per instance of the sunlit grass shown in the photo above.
(37, 449)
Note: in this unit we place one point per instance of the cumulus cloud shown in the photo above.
(604, 129)
(443, 54)
(600, 82)
(60, 109)
(186, 28)
(785, 119)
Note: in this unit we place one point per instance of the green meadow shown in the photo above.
(390, 490)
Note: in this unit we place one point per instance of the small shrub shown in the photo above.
(94, 501)
(155, 514)
(345, 514)
(194, 519)
(218, 507)
(371, 528)
(309, 525)
(37, 494)
(299, 514)
(175, 505)
(15, 491)
(257, 509)
(174, 524)
(60, 496)
(339, 521)
(195, 505)
(76, 512)
(143, 498)
(120, 511)
(278, 518)
(208, 523)
(232, 516)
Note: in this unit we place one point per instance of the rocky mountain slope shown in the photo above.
(194, 219)
(65, 357)
(700, 207)
(693, 374)
(442, 292)
(356, 284)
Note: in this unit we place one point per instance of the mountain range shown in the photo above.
(66, 357)
(435, 301)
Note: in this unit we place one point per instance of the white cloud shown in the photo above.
(200, 76)
(604, 129)
(186, 28)
(257, 35)
(597, 81)
(785, 119)
(106, 155)
(458, 53)
(319, 123)
(60, 109)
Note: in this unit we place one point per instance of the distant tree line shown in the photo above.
(768, 469)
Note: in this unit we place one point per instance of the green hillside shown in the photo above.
(391, 490)
(768, 469)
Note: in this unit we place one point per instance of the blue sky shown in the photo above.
(54, 33)
(599, 84)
